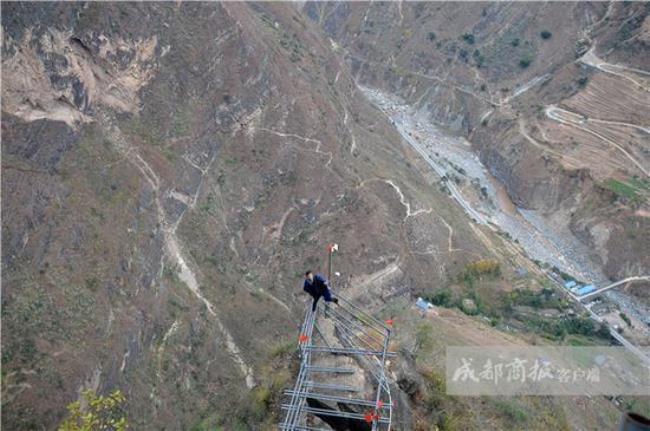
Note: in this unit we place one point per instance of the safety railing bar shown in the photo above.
(304, 428)
(341, 317)
(371, 370)
(295, 401)
(377, 321)
(334, 413)
(335, 370)
(348, 351)
(383, 377)
(354, 334)
(294, 416)
(376, 373)
(359, 325)
(356, 328)
(326, 397)
(334, 387)
(365, 319)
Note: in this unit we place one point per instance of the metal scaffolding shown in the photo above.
(331, 392)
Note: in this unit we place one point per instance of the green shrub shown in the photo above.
(431, 36)
(524, 62)
(511, 410)
(603, 331)
(435, 390)
(623, 189)
(254, 408)
(625, 318)
(544, 299)
(210, 423)
(424, 339)
(468, 38)
(484, 267)
(100, 413)
(283, 348)
(435, 379)
(565, 276)
(450, 422)
(558, 329)
(441, 298)
(545, 34)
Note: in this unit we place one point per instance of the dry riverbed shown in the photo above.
(481, 196)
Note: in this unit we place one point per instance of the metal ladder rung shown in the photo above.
(347, 351)
(362, 337)
(325, 397)
(338, 370)
(332, 386)
(335, 413)
(302, 428)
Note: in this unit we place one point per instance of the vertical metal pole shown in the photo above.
(329, 266)
(381, 381)
(330, 251)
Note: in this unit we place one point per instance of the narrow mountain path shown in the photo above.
(172, 246)
(400, 195)
(524, 133)
(576, 120)
(619, 123)
(316, 149)
(450, 249)
(404, 202)
(592, 60)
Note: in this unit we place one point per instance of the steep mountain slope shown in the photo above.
(171, 169)
(553, 97)
(164, 187)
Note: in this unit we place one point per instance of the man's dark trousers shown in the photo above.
(317, 288)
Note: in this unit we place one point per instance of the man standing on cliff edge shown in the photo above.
(317, 285)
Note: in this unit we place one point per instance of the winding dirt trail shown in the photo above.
(618, 123)
(172, 247)
(316, 150)
(406, 204)
(576, 120)
(592, 60)
(450, 249)
(524, 133)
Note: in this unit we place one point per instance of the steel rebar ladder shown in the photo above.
(361, 337)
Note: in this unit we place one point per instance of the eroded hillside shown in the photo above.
(164, 187)
(171, 169)
(553, 98)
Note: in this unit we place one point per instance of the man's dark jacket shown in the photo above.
(317, 287)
